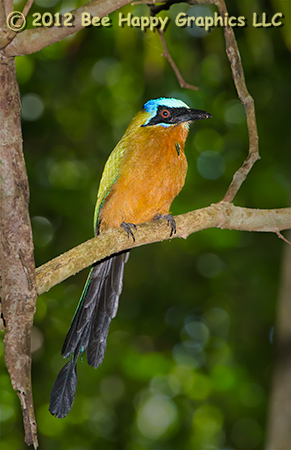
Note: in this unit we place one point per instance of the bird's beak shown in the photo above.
(191, 115)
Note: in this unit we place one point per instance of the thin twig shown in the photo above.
(182, 82)
(248, 102)
(282, 237)
(27, 7)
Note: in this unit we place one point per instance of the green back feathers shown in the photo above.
(116, 160)
(110, 175)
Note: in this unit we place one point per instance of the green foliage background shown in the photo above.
(190, 353)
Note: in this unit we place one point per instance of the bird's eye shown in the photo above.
(165, 113)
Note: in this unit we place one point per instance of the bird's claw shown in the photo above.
(128, 227)
(170, 221)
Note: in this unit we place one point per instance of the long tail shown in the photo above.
(89, 328)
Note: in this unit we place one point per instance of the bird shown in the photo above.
(144, 173)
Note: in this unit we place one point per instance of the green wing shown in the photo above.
(109, 177)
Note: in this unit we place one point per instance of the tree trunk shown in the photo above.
(18, 293)
(279, 422)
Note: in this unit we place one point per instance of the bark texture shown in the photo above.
(18, 292)
(279, 427)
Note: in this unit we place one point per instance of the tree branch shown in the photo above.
(3, 26)
(8, 6)
(220, 215)
(35, 39)
(8, 35)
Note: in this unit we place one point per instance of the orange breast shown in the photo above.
(153, 173)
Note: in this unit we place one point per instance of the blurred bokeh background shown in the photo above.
(190, 354)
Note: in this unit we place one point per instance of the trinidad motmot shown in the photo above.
(142, 176)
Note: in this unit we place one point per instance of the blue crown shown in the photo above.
(152, 107)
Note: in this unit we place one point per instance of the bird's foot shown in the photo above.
(170, 221)
(128, 227)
